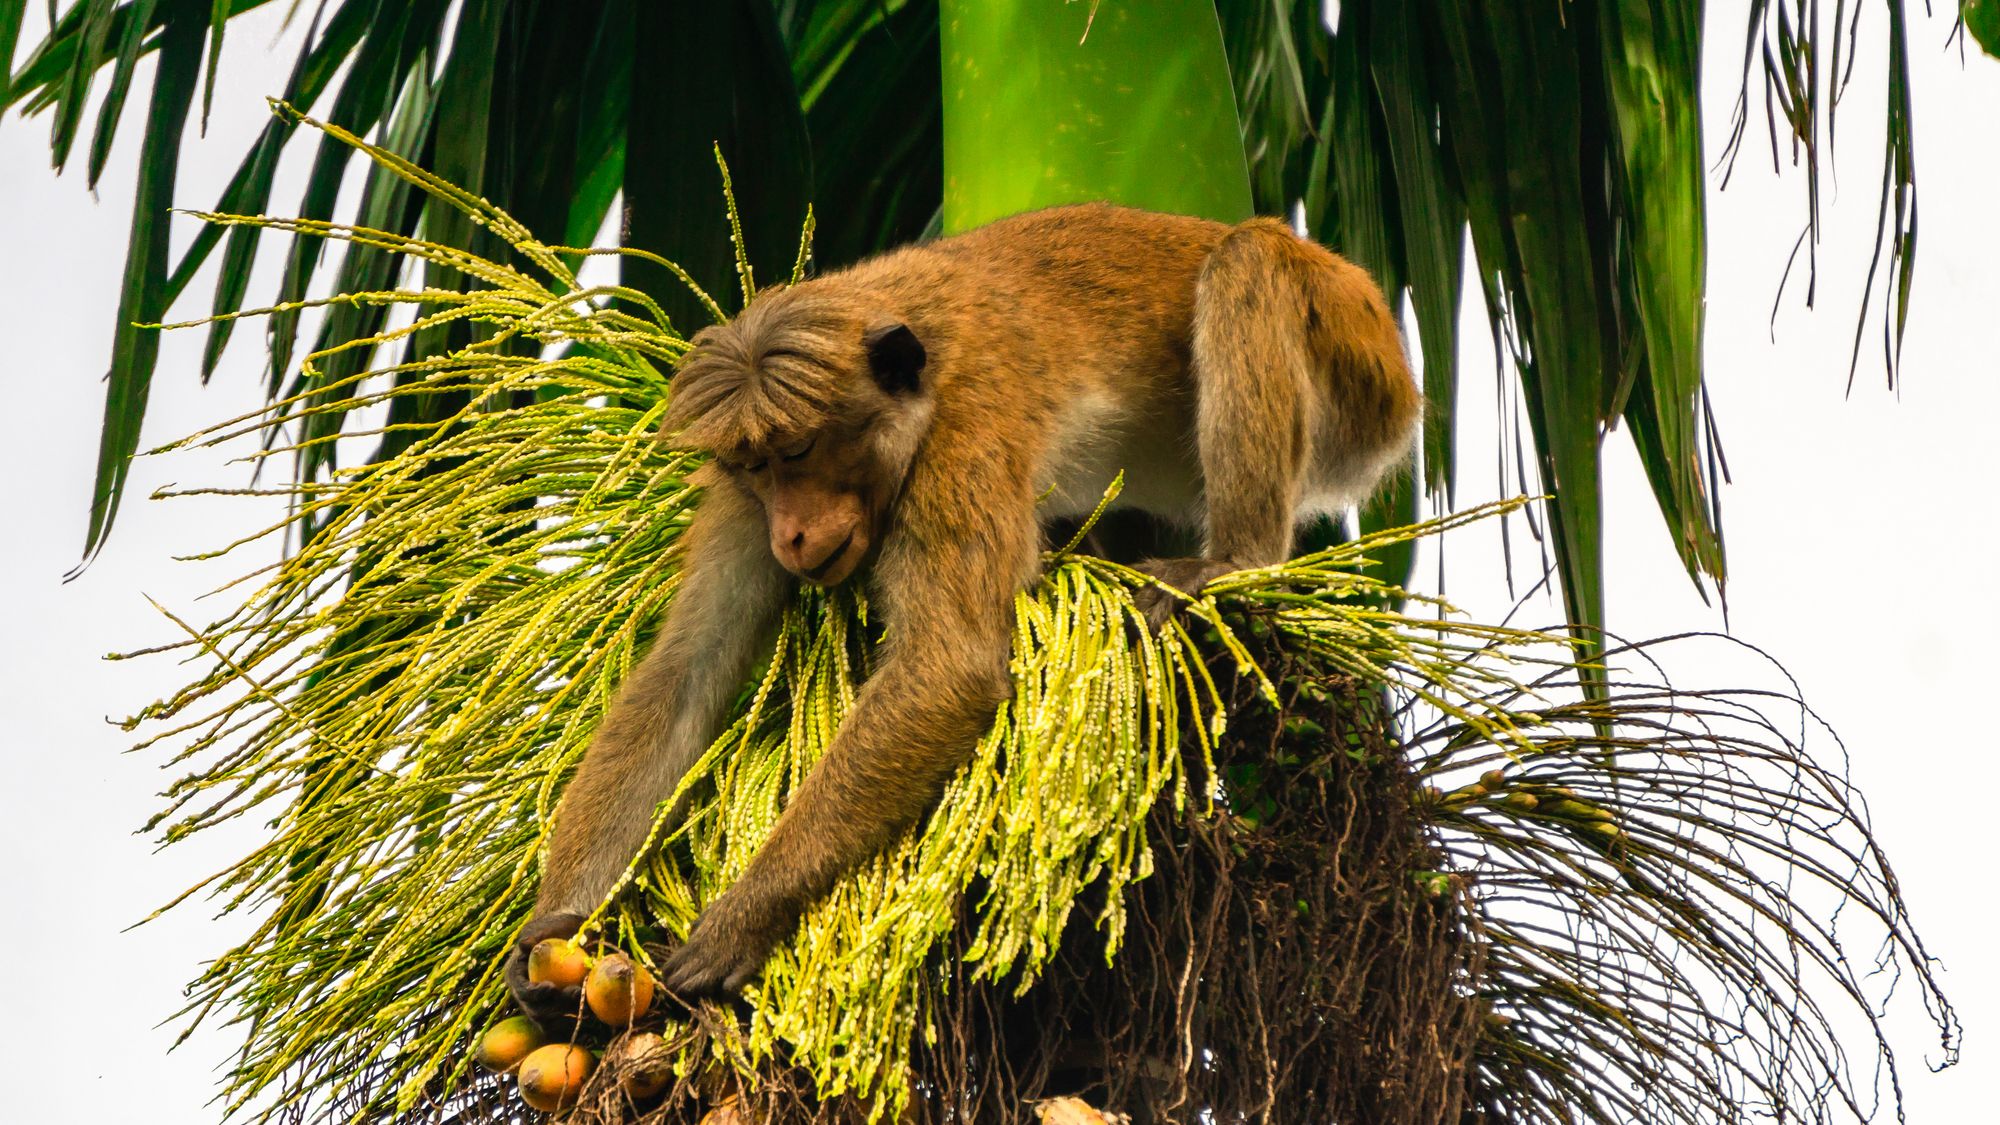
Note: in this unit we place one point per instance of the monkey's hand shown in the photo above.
(1185, 575)
(552, 1006)
(726, 950)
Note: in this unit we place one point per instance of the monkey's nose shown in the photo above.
(807, 551)
(819, 570)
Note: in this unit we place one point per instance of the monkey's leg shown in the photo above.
(1254, 409)
(666, 713)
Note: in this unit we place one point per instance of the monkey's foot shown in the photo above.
(723, 954)
(554, 1007)
(1186, 575)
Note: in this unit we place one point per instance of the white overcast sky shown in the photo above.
(1860, 542)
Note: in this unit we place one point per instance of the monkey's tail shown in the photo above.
(1287, 329)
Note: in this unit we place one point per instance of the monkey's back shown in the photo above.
(1075, 328)
(1084, 300)
(1077, 321)
(1084, 286)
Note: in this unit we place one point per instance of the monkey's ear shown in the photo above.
(895, 356)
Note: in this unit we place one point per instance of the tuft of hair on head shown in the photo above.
(772, 371)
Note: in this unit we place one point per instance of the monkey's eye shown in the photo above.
(798, 453)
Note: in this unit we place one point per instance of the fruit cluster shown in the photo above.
(551, 1076)
(1530, 799)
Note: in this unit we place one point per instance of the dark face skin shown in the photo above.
(819, 503)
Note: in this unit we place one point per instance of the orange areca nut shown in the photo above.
(557, 961)
(552, 1077)
(618, 990)
(506, 1043)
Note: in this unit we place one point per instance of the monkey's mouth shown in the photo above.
(818, 575)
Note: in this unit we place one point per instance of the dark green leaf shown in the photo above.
(1564, 378)
(218, 16)
(11, 12)
(878, 141)
(92, 35)
(390, 203)
(792, 17)
(1433, 218)
(1982, 22)
(1515, 117)
(1395, 505)
(528, 154)
(138, 17)
(1796, 90)
(46, 71)
(397, 33)
(1361, 221)
(820, 37)
(1896, 216)
(600, 138)
(1471, 115)
(734, 93)
(458, 154)
(1279, 66)
(1651, 59)
(141, 300)
(533, 150)
(249, 191)
(1642, 415)
(46, 65)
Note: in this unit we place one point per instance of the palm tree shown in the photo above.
(1563, 139)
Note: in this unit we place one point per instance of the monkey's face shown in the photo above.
(821, 501)
(815, 408)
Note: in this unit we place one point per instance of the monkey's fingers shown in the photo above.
(553, 1006)
(692, 981)
(547, 926)
(710, 970)
(1158, 604)
(733, 984)
(558, 1010)
(1180, 581)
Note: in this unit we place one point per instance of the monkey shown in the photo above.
(916, 420)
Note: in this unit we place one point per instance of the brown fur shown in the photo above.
(1243, 378)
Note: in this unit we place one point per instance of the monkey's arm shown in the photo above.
(907, 734)
(669, 709)
(666, 713)
(947, 580)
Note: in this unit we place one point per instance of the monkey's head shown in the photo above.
(815, 403)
